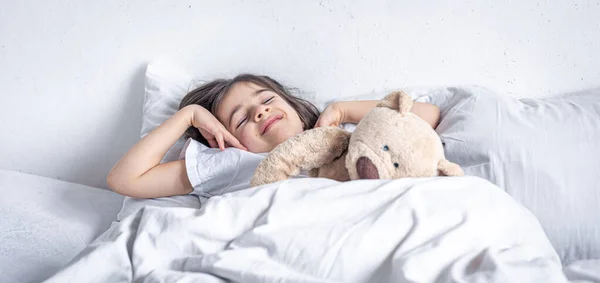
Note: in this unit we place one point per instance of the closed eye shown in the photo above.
(269, 100)
(241, 122)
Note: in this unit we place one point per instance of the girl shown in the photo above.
(249, 112)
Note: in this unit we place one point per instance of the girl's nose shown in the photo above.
(260, 113)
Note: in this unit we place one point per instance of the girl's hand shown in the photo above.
(212, 130)
(331, 116)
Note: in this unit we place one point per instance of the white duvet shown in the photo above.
(317, 230)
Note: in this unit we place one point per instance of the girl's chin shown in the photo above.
(281, 134)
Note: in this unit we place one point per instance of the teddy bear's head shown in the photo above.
(391, 142)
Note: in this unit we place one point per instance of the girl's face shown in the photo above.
(258, 117)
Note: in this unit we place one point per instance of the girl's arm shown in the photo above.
(353, 111)
(139, 173)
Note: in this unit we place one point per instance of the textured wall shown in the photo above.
(71, 71)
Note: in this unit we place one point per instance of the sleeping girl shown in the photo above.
(249, 112)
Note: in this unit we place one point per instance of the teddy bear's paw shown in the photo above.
(447, 168)
(267, 177)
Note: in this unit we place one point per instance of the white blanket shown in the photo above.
(318, 230)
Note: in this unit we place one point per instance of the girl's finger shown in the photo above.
(319, 122)
(323, 123)
(212, 143)
(219, 137)
(209, 137)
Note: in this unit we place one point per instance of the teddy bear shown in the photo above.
(390, 142)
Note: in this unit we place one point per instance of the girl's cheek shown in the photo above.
(246, 139)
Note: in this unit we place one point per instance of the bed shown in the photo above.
(496, 224)
(79, 63)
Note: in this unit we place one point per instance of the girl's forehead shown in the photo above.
(244, 88)
(241, 91)
(238, 94)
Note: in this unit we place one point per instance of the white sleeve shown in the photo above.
(214, 172)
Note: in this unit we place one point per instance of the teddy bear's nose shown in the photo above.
(366, 169)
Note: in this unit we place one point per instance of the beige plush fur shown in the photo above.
(390, 142)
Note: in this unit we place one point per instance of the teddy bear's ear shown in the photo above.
(397, 100)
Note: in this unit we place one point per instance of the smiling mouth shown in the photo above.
(269, 123)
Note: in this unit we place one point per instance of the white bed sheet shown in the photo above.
(45, 222)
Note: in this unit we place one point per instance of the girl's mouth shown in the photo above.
(269, 123)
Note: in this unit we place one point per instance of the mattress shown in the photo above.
(46, 222)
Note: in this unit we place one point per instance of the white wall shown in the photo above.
(71, 72)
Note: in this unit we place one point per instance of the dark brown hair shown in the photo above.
(210, 95)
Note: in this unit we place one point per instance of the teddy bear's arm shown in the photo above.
(309, 150)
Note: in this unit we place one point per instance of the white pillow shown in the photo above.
(543, 152)
(165, 87)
